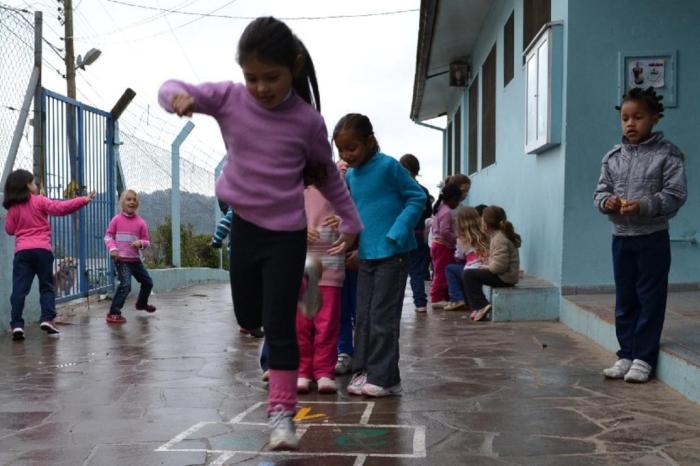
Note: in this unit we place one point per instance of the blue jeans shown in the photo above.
(453, 272)
(348, 304)
(418, 261)
(641, 265)
(125, 270)
(25, 265)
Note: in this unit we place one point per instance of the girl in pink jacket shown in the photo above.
(28, 221)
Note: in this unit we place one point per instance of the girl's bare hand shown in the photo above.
(91, 195)
(312, 235)
(183, 105)
(612, 204)
(351, 257)
(342, 244)
(630, 208)
(136, 244)
(332, 221)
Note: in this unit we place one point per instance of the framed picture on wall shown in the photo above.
(649, 69)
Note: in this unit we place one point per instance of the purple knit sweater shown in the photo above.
(267, 152)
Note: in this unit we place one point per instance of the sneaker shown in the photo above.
(49, 327)
(376, 391)
(266, 376)
(455, 306)
(639, 372)
(326, 385)
(618, 370)
(257, 332)
(482, 313)
(439, 304)
(283, 435)
(18, 333)
(115, 319)
(356, 383)
(146, 307)
(303, 385)
(344, 364)
(421, 309)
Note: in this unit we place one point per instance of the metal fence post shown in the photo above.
(175, 193)
(217, 209)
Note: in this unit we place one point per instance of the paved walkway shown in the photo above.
(182, 387)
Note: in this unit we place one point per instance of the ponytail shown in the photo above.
(305, 83)
(495, 218)
(447, 193)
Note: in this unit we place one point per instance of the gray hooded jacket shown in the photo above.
(652, 172)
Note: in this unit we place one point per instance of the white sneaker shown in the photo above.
(376, 391)
(303, 385)
(356, 383)
(326, 385)
(639, 372)
(17, 334)
(618, 370)
(283, 435)
(421, 309)
(439, 304)
(344, 364)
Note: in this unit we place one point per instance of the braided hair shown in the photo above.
(647, 96)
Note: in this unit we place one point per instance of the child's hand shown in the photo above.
(332, 221)
(312, 235)
(612, 204)
(136, 244)
(183, 105)
(342, 244)
(351, 258)
(90, 196)
(630, 208)
(115, 254)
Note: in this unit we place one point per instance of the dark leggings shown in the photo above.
(266, 272)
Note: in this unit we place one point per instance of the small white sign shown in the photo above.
(647, 72)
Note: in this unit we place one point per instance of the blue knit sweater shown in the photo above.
(390, 203)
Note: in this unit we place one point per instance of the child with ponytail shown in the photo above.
(444, 243)
(503, 266)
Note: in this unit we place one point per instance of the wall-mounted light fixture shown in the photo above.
(459, 73)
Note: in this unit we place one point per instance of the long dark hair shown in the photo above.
(269, 39)
(449, 192)
(495, 218)
(16, 190)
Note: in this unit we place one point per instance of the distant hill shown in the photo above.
(196, 209)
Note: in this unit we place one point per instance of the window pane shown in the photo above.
(542, 90)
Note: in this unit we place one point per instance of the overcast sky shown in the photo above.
(364, 65)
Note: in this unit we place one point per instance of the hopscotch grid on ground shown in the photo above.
(419, 446)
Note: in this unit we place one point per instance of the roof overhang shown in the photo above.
(447, 32)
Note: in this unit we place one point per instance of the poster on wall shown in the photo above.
(646, 73)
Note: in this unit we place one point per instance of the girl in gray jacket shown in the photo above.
(642, 185)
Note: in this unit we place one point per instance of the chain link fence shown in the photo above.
(16, 64)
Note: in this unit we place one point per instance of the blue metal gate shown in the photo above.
(79, 157)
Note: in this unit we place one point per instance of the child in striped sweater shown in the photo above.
(126, 236)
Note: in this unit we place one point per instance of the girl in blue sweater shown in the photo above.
(390, 204)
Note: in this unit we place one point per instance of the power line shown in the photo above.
(289, 18)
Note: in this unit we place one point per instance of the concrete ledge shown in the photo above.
(172, 279)
(671, 369)
(531, 299)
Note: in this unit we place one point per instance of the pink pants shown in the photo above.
(442, 256)
(318, 337)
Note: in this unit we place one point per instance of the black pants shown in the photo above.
(25, 265)
(474, 280)
(641, 265)
(266, 273)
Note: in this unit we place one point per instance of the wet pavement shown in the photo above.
(182, 387)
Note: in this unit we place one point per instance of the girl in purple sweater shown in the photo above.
(126, 236)
(275, 138)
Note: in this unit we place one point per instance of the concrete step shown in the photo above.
(679, 360)
(531, 299)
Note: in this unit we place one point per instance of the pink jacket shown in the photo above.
(29, 222)
(317, 209)
(122, 231)
(442, 227)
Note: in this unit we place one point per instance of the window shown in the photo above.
(449, 148)
(457, 123)
(544, 75)
(473, 126)
(488, 110)
(508, 49)
(536, 14)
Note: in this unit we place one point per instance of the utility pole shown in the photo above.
(70, 51)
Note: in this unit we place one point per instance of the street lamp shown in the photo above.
(90, 57)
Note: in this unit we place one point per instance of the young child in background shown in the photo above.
(642, 185)
(348, 303)
(473, 244)
(503, 267)
(419, 257)
(28, 221)
(390, 203)
(223, 227)
(462, 181)
(274, 135)
(318, 335)
(126, 236)
(444, 241)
